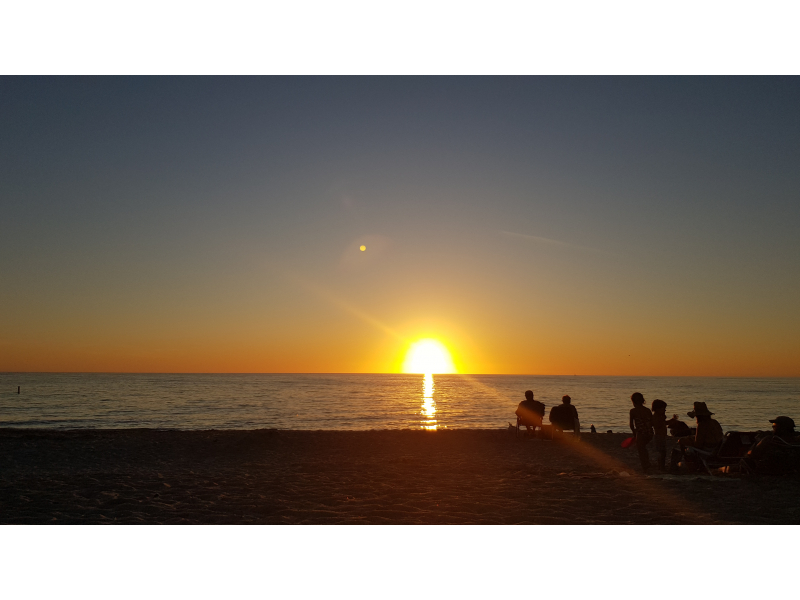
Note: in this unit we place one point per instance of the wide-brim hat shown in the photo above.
(701, 409)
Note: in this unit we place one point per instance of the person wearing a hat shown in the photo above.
(783, 427)
(776, 453)
(709, 431)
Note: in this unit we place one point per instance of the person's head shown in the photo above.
(637, 399)
(659, 406)
(700, 412)
(566, 399)
(528, 395)
(782, 425)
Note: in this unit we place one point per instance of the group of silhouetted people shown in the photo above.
(774, 452)
(651, 424)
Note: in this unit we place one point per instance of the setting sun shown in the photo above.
(428, 356)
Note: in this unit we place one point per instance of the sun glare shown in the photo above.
(428, 357)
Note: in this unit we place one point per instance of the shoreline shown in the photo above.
(402, 476)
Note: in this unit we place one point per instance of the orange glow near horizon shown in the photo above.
(323, 325)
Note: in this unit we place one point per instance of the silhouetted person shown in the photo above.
(707, 437)
(783, 427)
(641, 423)
(659, 408)
(530, 412)
(709, 431)
(565, 416)
(777, 452)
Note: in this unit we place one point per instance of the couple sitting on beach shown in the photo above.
(562, 417)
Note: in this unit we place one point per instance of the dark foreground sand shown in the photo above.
(267, 476)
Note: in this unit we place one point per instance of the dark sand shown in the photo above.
(267, 476)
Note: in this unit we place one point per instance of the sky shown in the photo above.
(533, 225)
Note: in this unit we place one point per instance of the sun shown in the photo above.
(428, 356)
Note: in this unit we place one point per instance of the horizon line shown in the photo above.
(376, 373)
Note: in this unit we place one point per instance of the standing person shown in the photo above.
(530, 412)
(660, 432)
(565, 416)
(641, 423)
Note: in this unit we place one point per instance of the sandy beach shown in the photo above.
(378, 477)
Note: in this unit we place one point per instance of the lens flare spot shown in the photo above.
(362, 247)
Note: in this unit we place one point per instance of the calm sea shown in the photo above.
(91, 400)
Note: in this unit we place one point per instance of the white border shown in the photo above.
(393, 37)
(390, 561)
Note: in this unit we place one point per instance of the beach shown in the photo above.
(146, 476)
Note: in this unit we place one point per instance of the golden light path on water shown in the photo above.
(428, 405)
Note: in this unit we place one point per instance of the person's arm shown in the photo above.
(630, 422)
(759, 449)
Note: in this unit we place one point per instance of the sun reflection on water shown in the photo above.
(428, 412)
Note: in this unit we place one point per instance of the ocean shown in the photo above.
(362, 402)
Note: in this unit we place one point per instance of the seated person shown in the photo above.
(565, 416)
(530, 412)
(783, 427)
(709, 431)
(776, 453)
(707, 436)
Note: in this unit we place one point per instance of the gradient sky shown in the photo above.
(620, 226)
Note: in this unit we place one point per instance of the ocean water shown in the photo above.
(314, 401)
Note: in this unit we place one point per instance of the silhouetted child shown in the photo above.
(660, 432)
(641, 423)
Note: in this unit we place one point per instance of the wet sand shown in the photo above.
(381, 477)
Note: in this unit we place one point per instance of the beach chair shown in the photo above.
(729, 451)
(542, 432)
(787, 463)
(557, 430)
